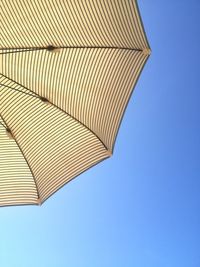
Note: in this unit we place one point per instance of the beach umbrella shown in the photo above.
(67, 71)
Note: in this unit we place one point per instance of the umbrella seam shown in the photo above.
(30, 49)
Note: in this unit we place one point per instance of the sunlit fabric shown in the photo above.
(67, 71)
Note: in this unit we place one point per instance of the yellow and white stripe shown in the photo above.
(67, 71)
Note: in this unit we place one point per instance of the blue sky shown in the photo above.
(141, 207)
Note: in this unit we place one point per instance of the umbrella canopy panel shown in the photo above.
(67, 71)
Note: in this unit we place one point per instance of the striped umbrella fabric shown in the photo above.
(67, 71)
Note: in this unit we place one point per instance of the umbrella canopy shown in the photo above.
(67, 71)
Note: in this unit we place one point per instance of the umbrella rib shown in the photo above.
(19, 51)
(52, 48)
(31, 171)
(46, 100)
(17, 90)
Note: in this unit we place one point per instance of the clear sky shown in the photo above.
(141, 208)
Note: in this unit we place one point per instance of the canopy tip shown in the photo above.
(39, 201)
(109, 153)
(147, 51)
